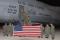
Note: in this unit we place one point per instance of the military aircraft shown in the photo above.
(38, 11)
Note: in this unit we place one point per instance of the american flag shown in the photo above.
(28, 31)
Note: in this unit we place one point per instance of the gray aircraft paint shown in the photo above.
(38, 11)
(8, 10)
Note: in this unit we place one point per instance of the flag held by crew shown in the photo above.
(28, 31)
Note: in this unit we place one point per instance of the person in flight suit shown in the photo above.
(52, 31)
(5, 31)
(42, 30)
(47, 31)
(10, 29)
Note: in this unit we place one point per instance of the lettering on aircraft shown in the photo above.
(12, 9)
(30, 4)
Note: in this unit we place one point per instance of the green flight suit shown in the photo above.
(5, 30)
(47, 31)
(52, 31)
(10, 29)
(42, 30)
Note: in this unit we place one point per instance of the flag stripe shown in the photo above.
(27, 32)
(31, 29)
(31, 26)
(27, 36)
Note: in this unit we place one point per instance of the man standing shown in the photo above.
(5, 31)
(42, 30)
(52, 31)
(47, 31)
(10, 29)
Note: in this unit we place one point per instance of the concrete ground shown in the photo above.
(57, 37)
